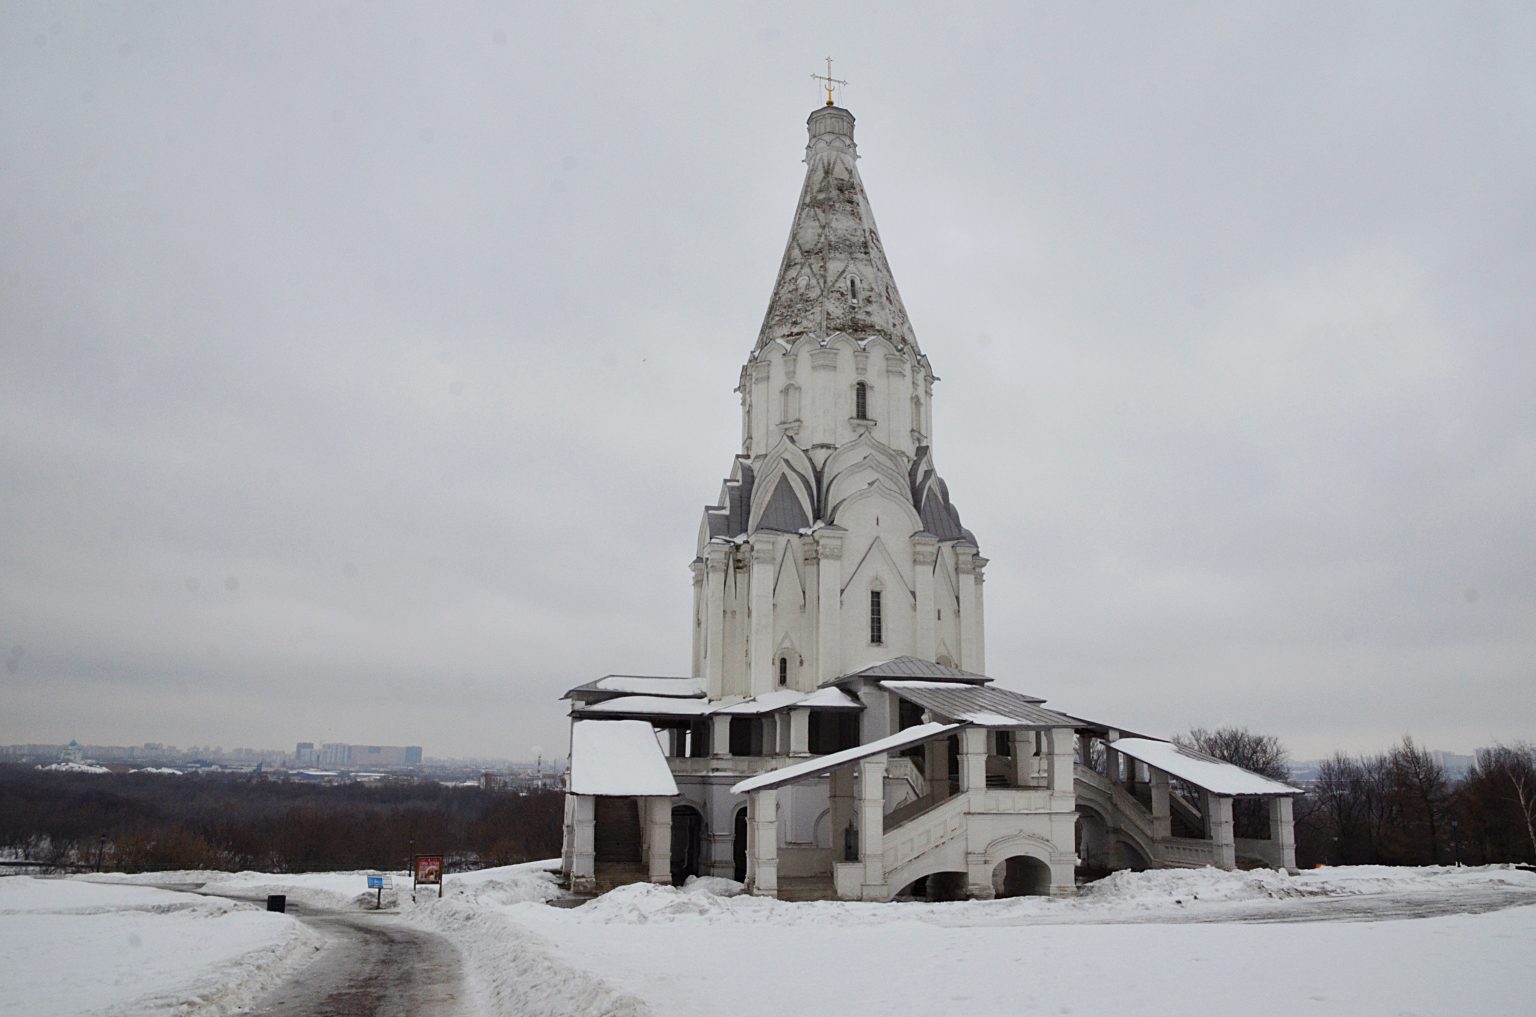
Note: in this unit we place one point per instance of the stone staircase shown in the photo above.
(617, 840)
(807, 888)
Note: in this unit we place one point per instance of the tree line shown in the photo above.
(135, 822)
(1399, 807)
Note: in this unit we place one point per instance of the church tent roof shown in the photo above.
(825, 764)
(1208, 772)
(987, 706)
(616, 758)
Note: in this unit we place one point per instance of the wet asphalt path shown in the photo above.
(372, 965)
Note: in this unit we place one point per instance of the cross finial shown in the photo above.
(829, 82)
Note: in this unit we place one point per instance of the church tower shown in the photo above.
(834, 544)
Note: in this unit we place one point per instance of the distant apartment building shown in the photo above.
(340, 754)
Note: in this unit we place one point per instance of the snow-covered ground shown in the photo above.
(1348, 941)
(70, 947)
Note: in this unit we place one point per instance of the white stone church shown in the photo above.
(839, 736)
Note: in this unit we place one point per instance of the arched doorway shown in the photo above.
(936, 886)
(739, 846)
(687, 842)
(1131, 856)
(1095, 850)
(1021, 876)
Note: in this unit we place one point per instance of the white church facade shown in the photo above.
(839, 736)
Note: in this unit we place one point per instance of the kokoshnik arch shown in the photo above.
(839, 736)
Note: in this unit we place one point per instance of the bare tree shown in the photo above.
(1261, 753)
(1420, 795)
(1500, 792)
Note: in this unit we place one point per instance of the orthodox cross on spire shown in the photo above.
(829, 82)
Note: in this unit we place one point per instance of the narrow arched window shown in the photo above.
(783, 670)
(876, 621)
(861, 401)
(853, 287)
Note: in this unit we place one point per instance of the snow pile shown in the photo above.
(717, 885)
(1342, 943)
(1157, 889)
(130, 950)
(343, 890)
(512, 969)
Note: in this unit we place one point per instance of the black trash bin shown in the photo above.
(277, 902)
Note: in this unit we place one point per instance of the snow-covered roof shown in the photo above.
(765, 703)
(768, 702)
(835, 699)
(823, 764)
(638, 685)
(652, 706)
(618, 757)
(650, 685)
(1201, 770)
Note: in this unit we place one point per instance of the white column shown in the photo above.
(978, 877)
(871, 807)
(658, 838)
(763, 843)
(1282, 831)
(840, 801)
(925, 551)
(1219, 823)
(761, 655)
(936, 767)
(799, 732)
(697, 568)
(584, 844)
(1023, 757)
(1060, 766)
(808, 675)
(829, 640)
(764, 413)
(720, 735)
(973, 759)
(972, 654)
(824, 413)
(717, 559)
(1162, 807)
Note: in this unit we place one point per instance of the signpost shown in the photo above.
(380, 883)
(427, 870)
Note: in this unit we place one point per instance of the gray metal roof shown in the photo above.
(917, 668)
(784, 512)
(611, 686)
(825, 764)
(983, 706)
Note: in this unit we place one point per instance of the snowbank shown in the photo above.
(510, 968)
(73, 948)
(1267, 942)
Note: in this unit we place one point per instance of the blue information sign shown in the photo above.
(375, 882)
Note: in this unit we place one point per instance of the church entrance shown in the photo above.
(739, 846)
(1021, 876)
(687, 842)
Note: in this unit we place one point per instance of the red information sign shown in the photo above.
(427, 873)
(429, 869)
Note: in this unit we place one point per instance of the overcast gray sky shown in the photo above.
(364, 368)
